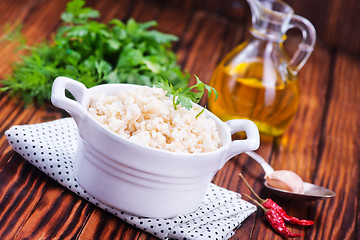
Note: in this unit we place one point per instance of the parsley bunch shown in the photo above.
(95, 53)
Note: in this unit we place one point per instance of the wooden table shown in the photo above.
(322, 144)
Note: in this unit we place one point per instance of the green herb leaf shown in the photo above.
(186, 97)
(95, 53)
(200, 86)
(77, 13)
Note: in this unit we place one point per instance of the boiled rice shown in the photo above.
(146, 116)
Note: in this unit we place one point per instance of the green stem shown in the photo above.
(200, 113)
(174, 103)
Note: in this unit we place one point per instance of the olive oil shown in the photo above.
(251, 90)
(257, 80)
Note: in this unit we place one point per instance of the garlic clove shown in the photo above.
(286, 180)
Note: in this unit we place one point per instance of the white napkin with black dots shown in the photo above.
(51, 147)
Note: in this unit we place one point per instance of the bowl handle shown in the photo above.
(59, 99)
(252, 141)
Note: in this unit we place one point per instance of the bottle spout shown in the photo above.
(255, 6)
(270, 18)
(273, 8)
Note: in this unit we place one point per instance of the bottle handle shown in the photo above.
(306, 47)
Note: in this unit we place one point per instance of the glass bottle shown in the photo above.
(257, 80)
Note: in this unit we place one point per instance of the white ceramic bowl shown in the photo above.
(138, 179)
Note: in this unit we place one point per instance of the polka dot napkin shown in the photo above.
(51, 147)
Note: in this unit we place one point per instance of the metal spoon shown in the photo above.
(311, 191)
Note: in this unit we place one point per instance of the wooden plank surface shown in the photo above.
(322, 144)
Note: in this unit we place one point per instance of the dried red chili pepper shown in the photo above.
(278, 224)
(276, 221)
(270, 204)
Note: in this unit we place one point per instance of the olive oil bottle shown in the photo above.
(257, 80)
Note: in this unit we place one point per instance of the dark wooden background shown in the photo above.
(337, 22)
(322, 144)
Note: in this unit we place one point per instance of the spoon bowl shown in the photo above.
(311, 192)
